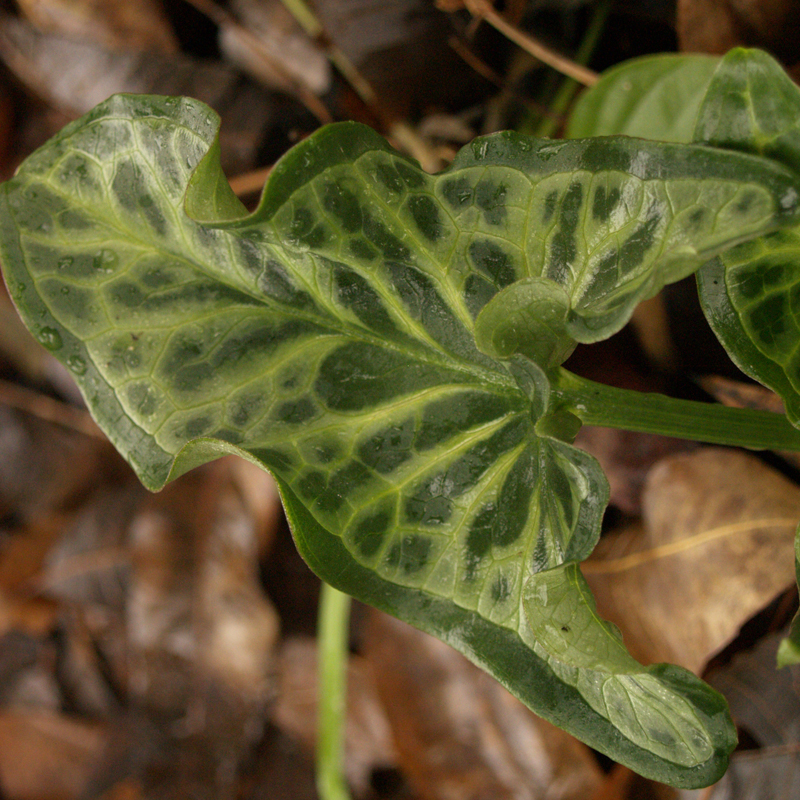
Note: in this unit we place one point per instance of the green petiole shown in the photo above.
(333, 626)
(599, 404)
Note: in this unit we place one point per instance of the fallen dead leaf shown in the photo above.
(626, 458)
(459, 734)
(75, 75)
(134, 24)
(46, 467)
(765, 703)
(715, 26)
(283, 39)
(46, 756)
(195, 592)
(742, 395)
(166, 588)
(716, 545)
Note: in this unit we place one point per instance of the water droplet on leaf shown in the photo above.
(76, 364)
(106, 260)
(479, 149)
(50, 338)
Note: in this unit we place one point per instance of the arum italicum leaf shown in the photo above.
(330, 337)
(751, 295)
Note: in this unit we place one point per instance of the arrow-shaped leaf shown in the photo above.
(331, 337)
(751, 295)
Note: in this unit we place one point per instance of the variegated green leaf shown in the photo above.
(751, 295)
(789, 649)
(331, 337)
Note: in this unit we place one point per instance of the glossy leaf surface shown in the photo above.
(751, 295)
(789, 649)
(653, 97)
(331, 337)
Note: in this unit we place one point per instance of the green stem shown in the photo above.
(598, 404)
(332, 630)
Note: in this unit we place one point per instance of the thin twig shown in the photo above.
(486, 72)
(481, 9)
(221, 17)
(398, 131)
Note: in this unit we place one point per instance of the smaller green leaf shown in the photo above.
(752, 105)
(789, 648)
(750, 294)
(527, 318)
(653, 97)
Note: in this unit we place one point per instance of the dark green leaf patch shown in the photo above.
(360, 376)
(131, 190)
(444, 419)
(387, 243)
(343, 204)
(564, 244)
(430, 503)
(409, 555)
(352, 476)
(605, 202)
(304, 230)
(389, 447)
(356, 294)
(296, 412)
(549, 207)
(413, 177)
(494, 262)
(370, 532)
(490, 197)
(275, 282)
(458, 192)
(424, 303)
(390, 178)
(425, 213)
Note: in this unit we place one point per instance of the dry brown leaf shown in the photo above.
(21, 560)
(626, 457)
(742, 395)
(167, 588)
(282, 38)
(74, 76)
(47, 467)
(459, 734)
(368, 737)
(715, 26)
(765, 703)
(716, 546)
(132, 24)
(45, 756)
(195, 594)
